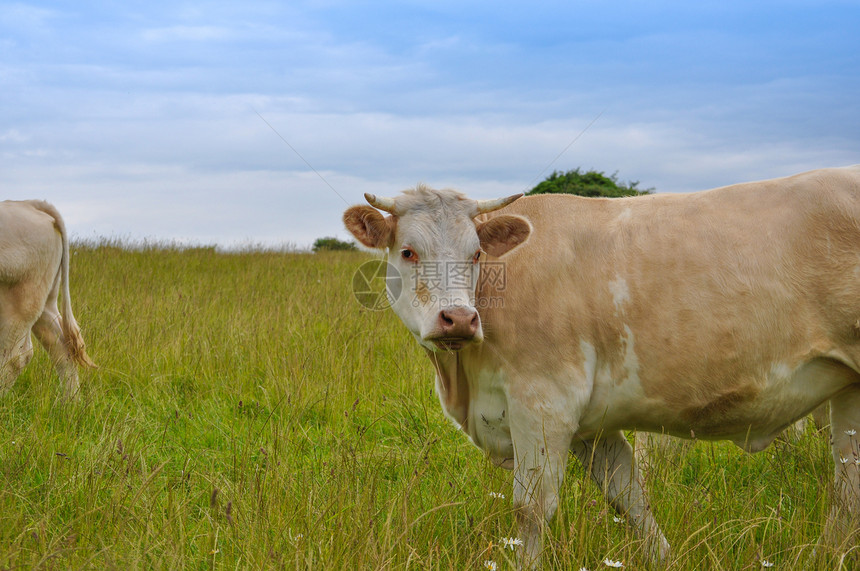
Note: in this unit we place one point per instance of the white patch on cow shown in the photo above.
(631, 361)
(780, 371)
(620, 293)
(589, 363)
(614, 393)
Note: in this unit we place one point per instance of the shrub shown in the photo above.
(329, 244)
(590, 183)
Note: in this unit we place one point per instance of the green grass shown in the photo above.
(249, 413)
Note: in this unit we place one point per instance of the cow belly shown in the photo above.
(787, 393)
(750, 414)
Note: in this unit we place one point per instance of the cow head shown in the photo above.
(435, 247)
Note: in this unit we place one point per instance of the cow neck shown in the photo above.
(452, 384)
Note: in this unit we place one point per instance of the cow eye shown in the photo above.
(408, 254)
(477, 257)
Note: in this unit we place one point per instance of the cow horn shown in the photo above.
(490, 205)
(380, 202)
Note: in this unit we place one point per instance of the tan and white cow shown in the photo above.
(34, 266)
(727, 314)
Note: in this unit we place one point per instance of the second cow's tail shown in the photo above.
(71, 329)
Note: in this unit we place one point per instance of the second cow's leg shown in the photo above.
(49, 331)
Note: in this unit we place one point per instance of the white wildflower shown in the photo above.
(843, 460)
(296, 537)
(610, 563)
(497, 495)
(491, 565)
(766, 563)
(617, 519)
(851, 432)
(583, 569)
(511, 542)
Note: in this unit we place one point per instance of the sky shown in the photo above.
(258, 123)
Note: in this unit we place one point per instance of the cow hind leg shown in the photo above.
(49, 331)
(15, 358)
(612, 466)
(16, 346)
(844, 524)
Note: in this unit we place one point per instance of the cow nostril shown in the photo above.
(459, 322)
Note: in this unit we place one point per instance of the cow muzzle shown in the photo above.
(455, 328)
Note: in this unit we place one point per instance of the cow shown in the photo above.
(34, 268)
(725, 314)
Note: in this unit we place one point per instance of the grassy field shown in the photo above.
(249, 413)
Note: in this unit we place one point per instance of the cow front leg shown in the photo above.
(540, 459)
(610, 461)
(845, 436)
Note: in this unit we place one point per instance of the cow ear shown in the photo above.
(369, 226)
(501, 234)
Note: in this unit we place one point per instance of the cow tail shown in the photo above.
(71, 329)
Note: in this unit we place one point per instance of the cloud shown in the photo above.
(187, 34)
(145, 122)
(26, 16)
(225, 177)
